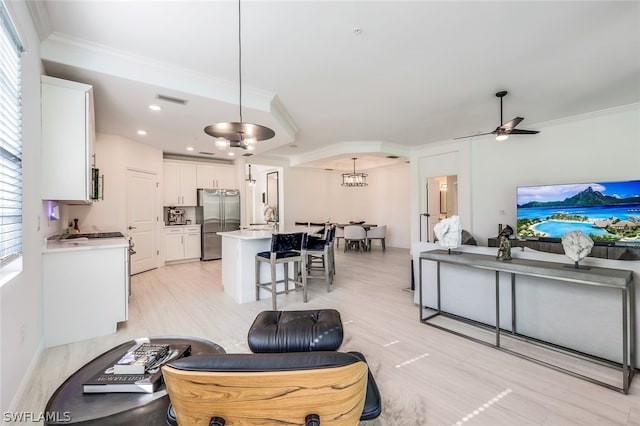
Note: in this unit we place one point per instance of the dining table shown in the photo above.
(366, 226)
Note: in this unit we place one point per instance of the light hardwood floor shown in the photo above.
(426, 376)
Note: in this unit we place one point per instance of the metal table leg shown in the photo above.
(625, 343)
(513, 303)
(438, 284)
(497, 309)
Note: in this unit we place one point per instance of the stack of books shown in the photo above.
(137, 371)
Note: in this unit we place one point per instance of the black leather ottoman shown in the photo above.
(296, 331)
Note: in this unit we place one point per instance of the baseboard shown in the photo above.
(22, 388)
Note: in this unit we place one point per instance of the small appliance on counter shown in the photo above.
(175, 216)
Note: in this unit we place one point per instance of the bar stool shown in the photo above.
(318, 254)
(285, 249)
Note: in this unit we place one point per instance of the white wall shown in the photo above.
(21, 297)
(114, 156)
(599, 146)
(317, 195)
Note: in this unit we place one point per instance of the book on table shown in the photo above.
(140, 358)
(106, 381)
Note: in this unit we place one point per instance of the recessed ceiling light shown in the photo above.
(142, 132)
(189, 148)
(231, 154)
(155, 107)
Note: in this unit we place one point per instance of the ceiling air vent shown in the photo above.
(171, 99)
(206, 153)
(248, 154)
(393, 157)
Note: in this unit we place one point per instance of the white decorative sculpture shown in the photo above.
(448, 232)
(576, 245)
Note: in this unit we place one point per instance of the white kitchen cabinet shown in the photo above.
(174, 244)
(192, 242)
(67, 140)
(182, 243)
(216, 176)
(179, 184)
(85, 291)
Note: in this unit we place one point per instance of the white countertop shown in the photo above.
(248, 234)
(259, 234)
(183, 225)
(54, 246)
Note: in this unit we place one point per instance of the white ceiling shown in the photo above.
(416, 72)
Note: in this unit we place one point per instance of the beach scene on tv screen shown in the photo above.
(605, 211)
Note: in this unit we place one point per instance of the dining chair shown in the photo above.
(377, 233)
(355, 237)
(285, 249)
(339, 235)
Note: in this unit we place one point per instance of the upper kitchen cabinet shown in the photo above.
(67, 140)
(216, 176)
(179, 184)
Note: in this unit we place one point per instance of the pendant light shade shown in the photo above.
(354, 179)
(238, 134)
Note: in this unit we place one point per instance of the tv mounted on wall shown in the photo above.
(608, 212)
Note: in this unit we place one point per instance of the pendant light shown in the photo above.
(238, 134)
(354, 179)
(250, 180)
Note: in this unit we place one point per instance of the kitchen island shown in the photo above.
(239, 249)
(85, 288)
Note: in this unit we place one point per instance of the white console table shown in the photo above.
(614, 279)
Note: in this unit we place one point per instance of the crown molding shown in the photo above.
(41, 19)
(349, 148)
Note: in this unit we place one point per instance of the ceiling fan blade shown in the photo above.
(472, 136)
(523, 132)
(508, 126)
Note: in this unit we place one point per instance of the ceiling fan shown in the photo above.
(503, 131)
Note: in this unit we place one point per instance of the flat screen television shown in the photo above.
(608, 212)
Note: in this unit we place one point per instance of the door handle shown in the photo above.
(132, 227)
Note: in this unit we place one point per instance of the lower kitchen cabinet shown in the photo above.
(85, 291)
(182, 243)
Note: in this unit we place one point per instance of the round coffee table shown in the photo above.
(68, 405)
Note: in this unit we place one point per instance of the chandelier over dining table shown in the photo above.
(354, 179)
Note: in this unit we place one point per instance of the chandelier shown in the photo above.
(354, 179)
(238, 134)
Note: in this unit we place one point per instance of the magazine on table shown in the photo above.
(140, 358)
(106, 381)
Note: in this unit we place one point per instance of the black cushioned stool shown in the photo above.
(296, 331)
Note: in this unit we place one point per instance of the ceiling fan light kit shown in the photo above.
(503, 131)
(238, 134)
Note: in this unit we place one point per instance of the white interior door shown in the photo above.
(142, 219)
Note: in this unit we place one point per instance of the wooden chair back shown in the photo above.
(336, 394)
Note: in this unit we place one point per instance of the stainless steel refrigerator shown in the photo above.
(218, 211)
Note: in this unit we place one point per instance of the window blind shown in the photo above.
(10, 140)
